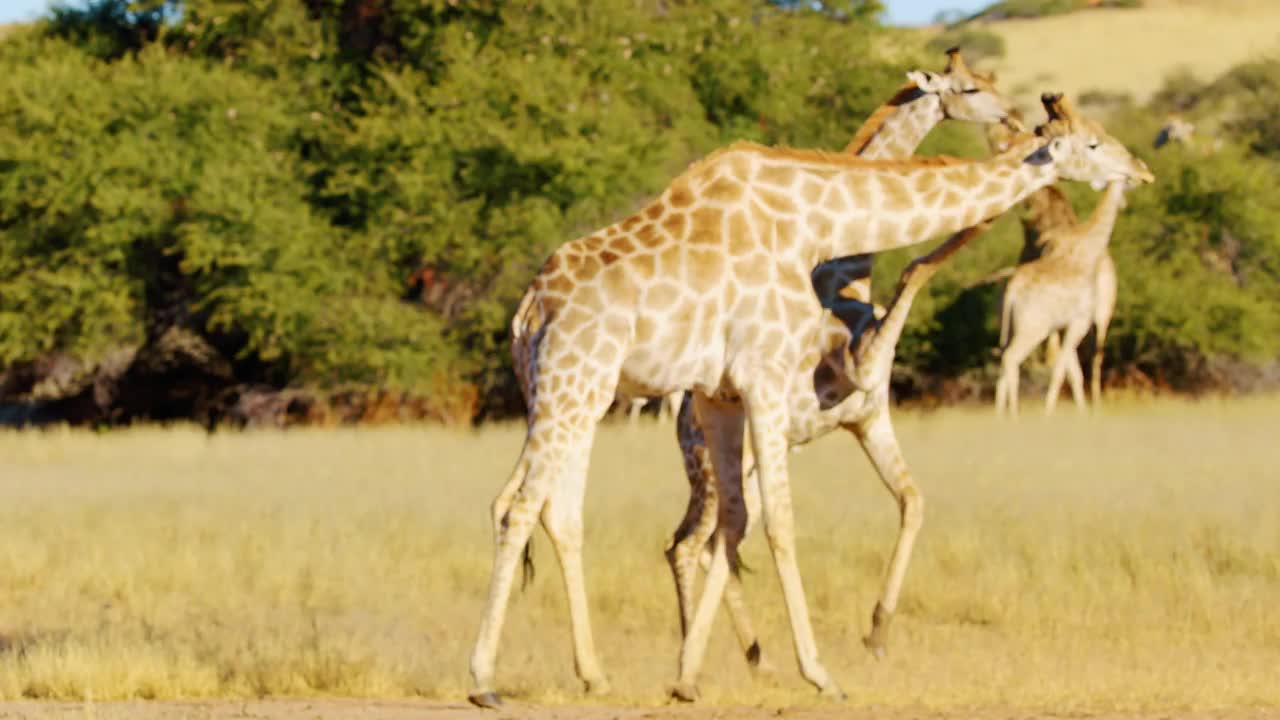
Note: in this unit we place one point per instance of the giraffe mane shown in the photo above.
(876, 121)
(1018, 146)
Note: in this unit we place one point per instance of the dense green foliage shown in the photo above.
(265, 177)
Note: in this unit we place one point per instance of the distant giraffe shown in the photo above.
(1047, 218)
(708, 289)
(895, 129)
(1180, 131)
(1058, 290)
(1176, 129)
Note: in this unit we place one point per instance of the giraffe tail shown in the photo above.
(526, 565)
(526, 324)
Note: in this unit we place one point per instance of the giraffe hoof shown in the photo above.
(759, 664)
(685, 692)
(597, 687)
(877, 650)
(764, 670)
(488, 700)
(833, 692)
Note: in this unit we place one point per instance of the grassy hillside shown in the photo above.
(1131, 50)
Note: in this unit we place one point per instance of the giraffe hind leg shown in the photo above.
(722, 425)
(881, 445)
(742, 509)
(691, 546)
(512, 533)
(553, 463)
(698, 523)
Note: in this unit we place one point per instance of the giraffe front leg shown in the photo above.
(767, 414)
(562, 519)
(1075, 376)
(1019, 347)
(1070, 341)
(1095, 377)
(881, 445)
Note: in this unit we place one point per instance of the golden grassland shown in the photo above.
(1126, 560)
(1132, 50)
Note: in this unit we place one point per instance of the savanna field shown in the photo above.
(218, 213)
(1119, 562)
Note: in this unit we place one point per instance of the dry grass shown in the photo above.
(1126, 561)
(1133, 50)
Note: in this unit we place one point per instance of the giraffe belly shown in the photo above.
(652, 369)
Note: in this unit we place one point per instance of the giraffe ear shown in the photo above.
(1040, 157)
(927, 81)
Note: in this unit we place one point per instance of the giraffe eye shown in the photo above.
(1093, 145)
(970, 91)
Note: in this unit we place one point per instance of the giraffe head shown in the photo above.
(1083, 151)
(964, 94)
(1002, 135)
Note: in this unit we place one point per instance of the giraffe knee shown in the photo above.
(911, 503)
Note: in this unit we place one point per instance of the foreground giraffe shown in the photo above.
(708, 289)
(1059, 290)
(894, 130)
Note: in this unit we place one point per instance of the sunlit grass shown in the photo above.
(1126, 560)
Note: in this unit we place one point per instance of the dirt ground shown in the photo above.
(324, 708)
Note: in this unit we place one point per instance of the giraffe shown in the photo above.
(1049, 224)
(1048, 209)
(707, 289)
(1175, 129)
(894, 130)
(854, 352)
(1060, 289)
(1179, 130)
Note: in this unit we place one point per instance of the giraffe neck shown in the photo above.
(1097, 231)
(898, 127)
(1048, 209)
(911, 202)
